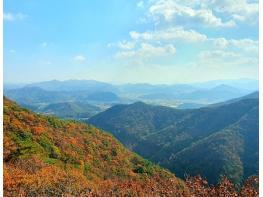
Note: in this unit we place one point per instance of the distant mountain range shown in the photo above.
(213, 95)
(211, 141)
(98, 93)
(64, 104)
(31, 95)
(75, 85)
(138, 88)
(248, 84)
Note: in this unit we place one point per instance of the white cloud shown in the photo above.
(220, 42)
(142, 20)
(140, 4)
(48, 62)
(206, 12)
(240, 10)
(241, 44)
(226, 59)
(246, 44)
(9, 17)
(174, 33)
(207, 17)
(217, 55)
(172, 10)
(44, 44)
(176, 23)
(126, 45)
(147, 50)
(14, 17)
(79, 58)
(230, 52)
(12, 51)
(109, 45)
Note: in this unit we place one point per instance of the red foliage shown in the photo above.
(200, 187)
(73, 159)
(38, 130)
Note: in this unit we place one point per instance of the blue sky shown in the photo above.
(119, 41)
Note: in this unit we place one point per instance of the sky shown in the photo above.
(136, 41)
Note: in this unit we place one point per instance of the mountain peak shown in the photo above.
(139, 103)
(224, 87)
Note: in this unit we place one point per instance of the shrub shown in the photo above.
(114, 152)
(52, 150)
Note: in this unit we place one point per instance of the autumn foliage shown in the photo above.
(45, 156)
(200, 187)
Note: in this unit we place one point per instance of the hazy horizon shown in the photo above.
(124, 83)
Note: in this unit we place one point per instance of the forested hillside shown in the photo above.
(45, 156)
(211, 141)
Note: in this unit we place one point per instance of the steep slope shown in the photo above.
(131, 123)
(160, 133)
(232, 151)
(45, 156)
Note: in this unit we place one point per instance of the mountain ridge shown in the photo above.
(47, 156)
(179, 129)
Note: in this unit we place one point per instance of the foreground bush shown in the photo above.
(200, 187)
